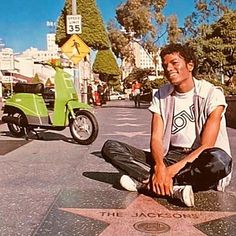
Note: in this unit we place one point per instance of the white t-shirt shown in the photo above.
(183, 130)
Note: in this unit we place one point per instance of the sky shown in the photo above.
(23, 22)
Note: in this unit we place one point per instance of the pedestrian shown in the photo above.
(99, 94)
(104, 94)
(90, 94)
(189, 143)
(136, 90)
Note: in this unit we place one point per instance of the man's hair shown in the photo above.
(184, 51)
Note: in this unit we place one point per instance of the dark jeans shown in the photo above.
(90, 99)
(203, 173)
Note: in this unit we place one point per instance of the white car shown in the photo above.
(117, 96)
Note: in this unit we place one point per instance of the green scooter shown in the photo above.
(26, 110)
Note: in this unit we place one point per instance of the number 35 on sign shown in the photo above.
(73, 24)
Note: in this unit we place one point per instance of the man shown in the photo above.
(90, 94)
(136, 90)
(189, 144)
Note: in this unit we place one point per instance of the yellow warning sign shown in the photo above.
(75, 49)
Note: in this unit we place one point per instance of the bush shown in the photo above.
(155, 84)
(148, 86)
(227, 89)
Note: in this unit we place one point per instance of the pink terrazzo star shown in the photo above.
(144, 211)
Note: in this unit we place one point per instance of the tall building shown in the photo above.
(51, 45)
(6, 59)
(25, 61)
(143, 60)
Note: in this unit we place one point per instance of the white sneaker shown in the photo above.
(224, 182)
(128, 183)
(185, 194)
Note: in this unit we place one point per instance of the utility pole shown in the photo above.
(76, 67)
(74, 7)
(222, 74)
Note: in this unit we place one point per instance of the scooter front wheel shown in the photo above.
(16, 130)
(84, 128)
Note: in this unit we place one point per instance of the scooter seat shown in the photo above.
(29, 88)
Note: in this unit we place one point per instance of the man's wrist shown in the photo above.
(159, 165)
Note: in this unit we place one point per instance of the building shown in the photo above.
(25, 65)
(51, 45)
(143, 60)
(21, 66)
(6, 64)
(25, 61)
(6, 59)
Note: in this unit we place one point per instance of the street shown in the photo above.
(45, 183)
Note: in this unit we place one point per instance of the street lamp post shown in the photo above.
(74, 7)
(77, 68)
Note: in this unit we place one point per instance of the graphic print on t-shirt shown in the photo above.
(181, 120)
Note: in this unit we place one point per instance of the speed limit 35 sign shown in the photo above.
(73, 24)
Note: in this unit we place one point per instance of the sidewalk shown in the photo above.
(56, 187)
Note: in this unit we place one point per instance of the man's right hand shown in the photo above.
(162, 182)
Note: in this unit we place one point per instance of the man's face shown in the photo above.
(176, 69)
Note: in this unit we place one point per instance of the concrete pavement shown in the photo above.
(56, 187)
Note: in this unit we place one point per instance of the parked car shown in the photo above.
(117, 96)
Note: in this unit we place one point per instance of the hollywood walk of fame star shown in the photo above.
(146, 209)
(128, 134)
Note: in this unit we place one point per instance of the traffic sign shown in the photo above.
(75, 49)
(73, 24)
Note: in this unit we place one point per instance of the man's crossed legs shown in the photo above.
(204, 173)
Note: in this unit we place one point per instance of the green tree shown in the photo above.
(105, 65)
(137, 74)
(142, 22)
(139, 21)
(115, 83)
(175, 34)
(93, 31)
(206, 12)
(216, 46)
(141, 18)
(120, 43)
